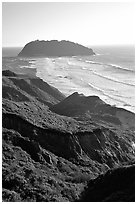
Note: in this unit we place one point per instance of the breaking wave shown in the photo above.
(100, 91)
(110, 65)
(112, 79)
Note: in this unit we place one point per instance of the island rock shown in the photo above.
(54, 48)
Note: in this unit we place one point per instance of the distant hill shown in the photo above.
(54, 48)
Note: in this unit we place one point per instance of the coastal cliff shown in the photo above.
(54, 48)
(53, 145)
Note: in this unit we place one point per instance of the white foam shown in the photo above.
(71, 74)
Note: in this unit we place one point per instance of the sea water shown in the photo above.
(110, 74)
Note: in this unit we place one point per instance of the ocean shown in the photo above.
(110, 74)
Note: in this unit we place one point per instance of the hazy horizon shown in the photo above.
(89, 24)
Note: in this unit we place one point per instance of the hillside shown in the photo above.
(54, 48)
(48, 156)
(93, 108)
(117, 185)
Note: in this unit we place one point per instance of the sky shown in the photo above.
(91, 23)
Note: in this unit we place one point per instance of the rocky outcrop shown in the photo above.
(54, 48)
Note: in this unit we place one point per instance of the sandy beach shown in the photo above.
(75, 74)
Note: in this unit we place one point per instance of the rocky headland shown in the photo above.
(54, 48)
(58, 148)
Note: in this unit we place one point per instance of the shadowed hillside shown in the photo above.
(116, 185)
(28, 87)
(92, 107)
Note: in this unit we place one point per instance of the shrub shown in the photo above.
(10, 196)
(81, 178)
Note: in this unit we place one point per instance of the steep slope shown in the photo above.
(30, 113)
(116, 185)
(22, 88)
(54, 48)
(50, 157)
(92, 107)
(8, 73)
(34, 174)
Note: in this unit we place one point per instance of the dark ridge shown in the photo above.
(13, 94)
(54, 48)
(76, 104)
(47, 88)
(116, 185)
(22, 87)
(8, 73)
(92, 107)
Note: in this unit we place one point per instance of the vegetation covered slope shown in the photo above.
(50, 157)
(54, 48)
(93, 108)
(117, 185)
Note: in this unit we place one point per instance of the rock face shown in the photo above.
(48, 156)
(54, 48)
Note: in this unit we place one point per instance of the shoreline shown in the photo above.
(68, 76)
(64, 82)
